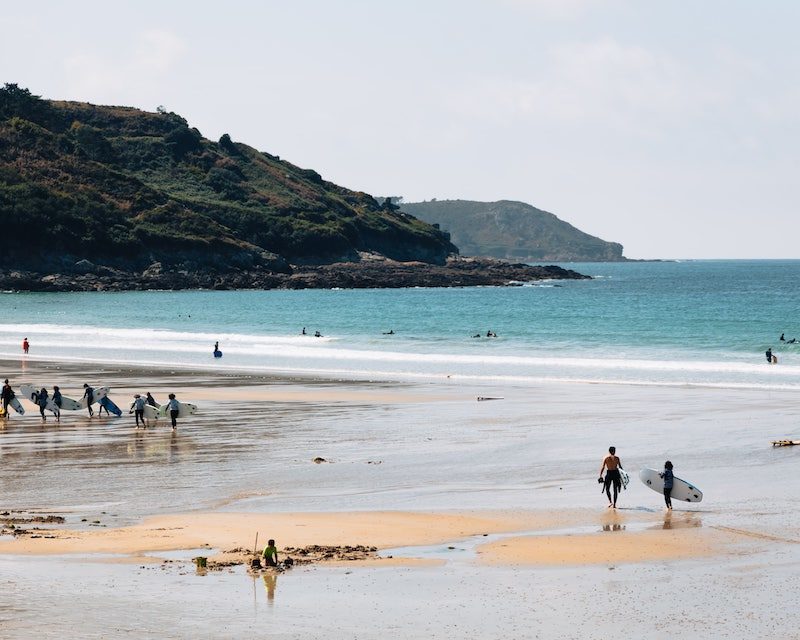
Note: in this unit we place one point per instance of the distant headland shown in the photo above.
(104, 197)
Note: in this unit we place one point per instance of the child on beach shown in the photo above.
(668, 482)
(137, 407)
(270, 554)
(174, 410)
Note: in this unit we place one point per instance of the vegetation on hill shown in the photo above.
(126, 188)
(514, 231)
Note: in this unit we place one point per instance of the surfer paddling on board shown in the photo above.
(611, 465)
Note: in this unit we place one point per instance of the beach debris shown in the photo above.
(318, 460)
(484, 398)
(201, 562)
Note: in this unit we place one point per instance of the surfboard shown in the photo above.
(30, 392)
(624, 478)
(106, 402)
(99, 394)
(17, 406)
(681, 490)
(785, 443)
(67, 404)
(485, 398)
(150, 412)
(184, 410)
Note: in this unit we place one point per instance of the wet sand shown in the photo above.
(484, 507)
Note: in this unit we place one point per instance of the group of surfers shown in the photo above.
(54, 402)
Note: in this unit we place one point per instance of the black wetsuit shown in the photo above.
(668, 483)
(8, 396)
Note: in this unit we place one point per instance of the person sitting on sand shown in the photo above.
(137, 408)
(270, 554)
(88, 393)
(668, 482)
(612, 465)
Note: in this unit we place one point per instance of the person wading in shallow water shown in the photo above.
(611, 465)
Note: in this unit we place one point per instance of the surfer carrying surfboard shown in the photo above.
(88, 393)
(174, 410)
(669, 480)
(8, 396)
(611, 465)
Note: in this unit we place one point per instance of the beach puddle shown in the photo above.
(183, 555)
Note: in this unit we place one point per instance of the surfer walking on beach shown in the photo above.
(8, 396)
(611, 465)
(88, 393)
(174, 410)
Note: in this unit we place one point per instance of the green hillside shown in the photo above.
(514, 231)
(126, 188)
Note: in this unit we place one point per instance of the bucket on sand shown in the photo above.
(201, 562)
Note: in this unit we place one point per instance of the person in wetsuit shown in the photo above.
(769, 355)
(669, 481)
(611, 465)
(58, 401)
(88, 393)
(7, 395)
(41, 399)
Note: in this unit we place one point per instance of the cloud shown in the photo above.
(146, 62)
(557, 9)
(596, 82)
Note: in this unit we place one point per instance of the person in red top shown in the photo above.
(25, 346)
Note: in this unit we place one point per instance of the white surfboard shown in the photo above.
(624, 478)
(150, 412)
(99, 393)
(31, 393)
(67, 404)
(184, 409)
(681, 490)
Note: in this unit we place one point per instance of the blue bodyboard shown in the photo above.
(112, 408)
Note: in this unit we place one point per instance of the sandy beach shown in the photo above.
(487, 505)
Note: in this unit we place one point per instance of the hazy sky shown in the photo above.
(671, 127)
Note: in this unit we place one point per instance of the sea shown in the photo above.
(699, 322)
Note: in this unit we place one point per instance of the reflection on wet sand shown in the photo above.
(686, 520)
(270, 582)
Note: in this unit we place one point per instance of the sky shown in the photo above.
(670, 127)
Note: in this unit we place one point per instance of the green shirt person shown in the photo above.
(270, 554)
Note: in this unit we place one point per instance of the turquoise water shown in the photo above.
(695, 322)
